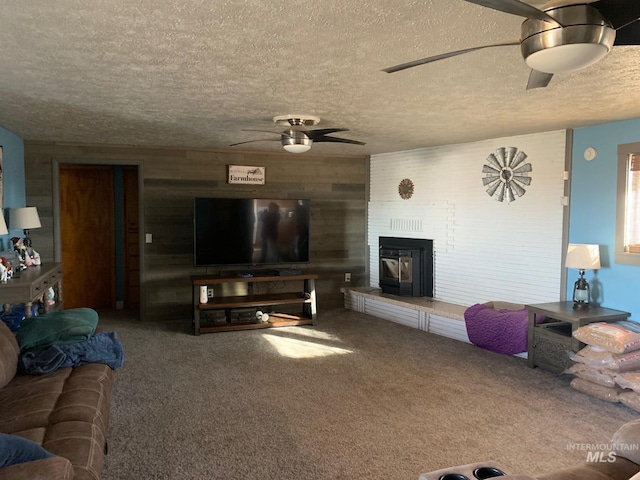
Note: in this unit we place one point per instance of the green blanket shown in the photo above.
(57, 328)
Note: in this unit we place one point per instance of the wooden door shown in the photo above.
(87, 234)
(131, 240)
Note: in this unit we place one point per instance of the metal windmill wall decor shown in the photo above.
(506, 174)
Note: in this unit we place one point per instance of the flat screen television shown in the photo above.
(250, 231)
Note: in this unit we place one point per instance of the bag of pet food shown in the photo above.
(599, 377)
(608, 394)
(629, 380)
(630, 399)
(616, 337)
(599, 358)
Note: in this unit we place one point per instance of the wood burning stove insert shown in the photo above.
(406, 266)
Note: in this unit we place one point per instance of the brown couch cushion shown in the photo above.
(9, 352)
(86, 396)
(27, 402)
(66, 411)
(621, 469)
(81, 443)
(627, 441)
(54, 467)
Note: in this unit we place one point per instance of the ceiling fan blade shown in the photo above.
(516, 7)
(538, 79)
(618, 12)
(259, 140)
(442, 56)
(338, 140)
(628, 35)
(313, 134)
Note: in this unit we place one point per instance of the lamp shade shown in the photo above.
(583, 256)
(3, 225)
(24, 218)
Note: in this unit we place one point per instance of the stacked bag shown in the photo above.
(609, 366)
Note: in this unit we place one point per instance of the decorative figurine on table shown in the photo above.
(6, 270)
(35, 256)
(28, 256)
(21, 251)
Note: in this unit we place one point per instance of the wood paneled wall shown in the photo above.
(336, 185)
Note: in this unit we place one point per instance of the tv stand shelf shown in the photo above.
(305, 297)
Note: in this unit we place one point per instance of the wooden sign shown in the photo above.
(244, 174)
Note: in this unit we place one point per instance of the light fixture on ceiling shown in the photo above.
(582, 257)
(584, 38)
(564, 36)
(297, 138)
(296, 141)
(24, 219)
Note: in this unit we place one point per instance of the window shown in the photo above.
(632, 220)
(628, 205)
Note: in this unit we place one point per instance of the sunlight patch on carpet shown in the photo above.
(309, 332)
(294, 348)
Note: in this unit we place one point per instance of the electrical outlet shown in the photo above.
(347, 277)
(210, 293)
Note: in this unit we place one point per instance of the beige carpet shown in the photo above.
(352, 397)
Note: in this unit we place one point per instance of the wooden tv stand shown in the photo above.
(306, 297)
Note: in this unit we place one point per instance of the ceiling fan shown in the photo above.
(297, 138)
(563, 36)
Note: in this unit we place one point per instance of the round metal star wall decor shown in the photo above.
(506, 174)
(405, 188)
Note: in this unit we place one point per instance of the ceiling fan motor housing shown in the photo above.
(581, 38)
(295, 141)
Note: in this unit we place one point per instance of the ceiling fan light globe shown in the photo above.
(296, 148)
(567, 58)
(296, 141)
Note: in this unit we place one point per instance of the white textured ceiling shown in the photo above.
(196, 73)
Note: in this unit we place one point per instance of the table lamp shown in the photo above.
(24, 219)
(582, 257)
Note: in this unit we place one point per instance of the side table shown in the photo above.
(550, 340)
(32, 284)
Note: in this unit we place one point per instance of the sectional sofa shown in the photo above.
(56, 421)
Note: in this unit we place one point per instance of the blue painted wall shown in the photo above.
(593, 213)
(13, 175)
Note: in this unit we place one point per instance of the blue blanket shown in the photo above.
(102, 347)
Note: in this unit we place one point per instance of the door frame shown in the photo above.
(57, 235)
